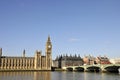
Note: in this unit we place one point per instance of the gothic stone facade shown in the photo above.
(38, 62)
(64, 61)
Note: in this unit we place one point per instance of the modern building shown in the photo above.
(65, 60)
(38, 62)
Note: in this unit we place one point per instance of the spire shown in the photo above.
(0, 51)
(48, 39)
(24, 53)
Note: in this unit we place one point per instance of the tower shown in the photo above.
(0, 55)
(24, 53)
(48, 54)
(0, 52)
(37, 60)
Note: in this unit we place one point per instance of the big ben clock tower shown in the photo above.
(48, 54)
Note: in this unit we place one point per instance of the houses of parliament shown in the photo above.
(38, 62)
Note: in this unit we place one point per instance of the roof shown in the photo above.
(73, 58)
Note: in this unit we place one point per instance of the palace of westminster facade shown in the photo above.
(38, 62)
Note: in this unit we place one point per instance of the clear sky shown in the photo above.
(75, 26)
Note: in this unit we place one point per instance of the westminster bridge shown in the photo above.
(95, 68)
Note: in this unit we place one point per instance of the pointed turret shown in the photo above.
(24, 53)
(0, 52)
(48, 39)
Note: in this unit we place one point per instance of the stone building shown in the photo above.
(102, 60)
(115, 61)
(89, 60)
(64, 61)
(38, 62)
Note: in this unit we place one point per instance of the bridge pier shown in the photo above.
(85, 69)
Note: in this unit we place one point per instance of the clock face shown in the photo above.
(49, 46)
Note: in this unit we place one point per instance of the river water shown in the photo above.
(58, 76)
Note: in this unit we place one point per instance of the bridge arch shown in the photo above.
(93, 69)
(80, 69)
(69, 69)
(112, 68)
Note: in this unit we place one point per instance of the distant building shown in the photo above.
(38, 62)
(115, 61)
(64, 61)
(102, 60)
(89, 60)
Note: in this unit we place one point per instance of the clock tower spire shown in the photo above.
(48, 53)
(48, 45)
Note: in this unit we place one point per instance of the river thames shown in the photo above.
(57, 75)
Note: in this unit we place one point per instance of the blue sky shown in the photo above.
(76, 27)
